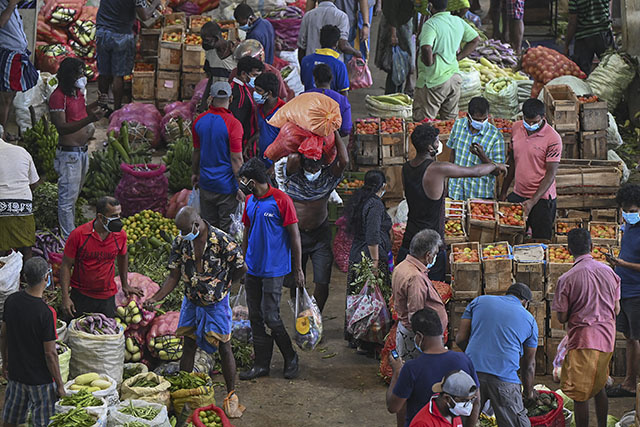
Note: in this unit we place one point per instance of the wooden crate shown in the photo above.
(192, 58)
(588, 177)
(196, 22)
(392, 148)
(457, 238)
(604, 215)
(593, 116)
(482, 230)
(585, 201)
(593, 145)
(570, 145)
(143, 85)
(367, 146)
(552, 350)
(456, 310)
(562, 108)
(149, 42)
(189, 83)
(541, 357)
(170, 54)
(466, 276)
(229, 29)
(554, 271)
(556, 329)
(454, 210)
(529, 266)
(601, 240)
(571, 223)
(175, 21)
(514, 234)
(539, 311)
(394, 188)
(496, 272)
(619, 359)
(167, 85)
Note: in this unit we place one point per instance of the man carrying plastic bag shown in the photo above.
(205, 316)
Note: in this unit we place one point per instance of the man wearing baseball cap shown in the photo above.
(456, 393)
(501, 337)
(217, 157)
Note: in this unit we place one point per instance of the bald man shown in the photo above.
(207, 260)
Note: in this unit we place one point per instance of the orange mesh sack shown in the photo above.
(313, 111)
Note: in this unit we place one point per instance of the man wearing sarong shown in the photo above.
(587, 298)
(207, 260)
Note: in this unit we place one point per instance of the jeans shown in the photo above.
(263, 300)
(353, 34)
(72, 167)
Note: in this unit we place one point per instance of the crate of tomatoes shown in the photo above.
(604, 233)
(455, 222)
(559, 261)
(496, 267)
(192, 53)
(511, 221)
(563, 226)
(482, 220)
(466, 271)
(196, 22)
(367, 148)
(393, 148)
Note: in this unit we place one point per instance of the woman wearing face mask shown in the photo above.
(370, 225)
(74, 120)
(266, 98)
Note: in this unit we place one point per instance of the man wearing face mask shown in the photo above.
(501, 338)
(73, 119)
(475, 129)
(242, 105)
(534, 162)
(91, 250)
(425, 188)
(271, 244)
(265, 96)
(627, 266)
(257, 29)
(456, 396)
(309, 184)
(411, 386)
(219, 60)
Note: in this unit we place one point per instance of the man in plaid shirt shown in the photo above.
(466, 131)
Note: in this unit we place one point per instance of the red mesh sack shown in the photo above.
(342, 245)
(50, 34)
(49, 57)
(554, 418)
(195, 417)
(389, 344)
(293, 138)
(142, 189)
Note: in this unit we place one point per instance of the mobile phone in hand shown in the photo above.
(395, 354)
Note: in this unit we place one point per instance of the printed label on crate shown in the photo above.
(168, 84)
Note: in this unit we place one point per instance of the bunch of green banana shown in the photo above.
(41, 141)
(104, 166)
(62, 16)
(178, 160)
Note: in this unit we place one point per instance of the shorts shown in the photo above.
(22, 74)
(586, 48)
(22, 398)
(628, 320)
(115, 53)
(316, 245)
(207, 325)
(584, 373)
(541, 217)
(442, 99)
(506, 401)
(217, 208)
(17, 232)
(515, 9)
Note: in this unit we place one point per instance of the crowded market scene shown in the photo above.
(263, 213)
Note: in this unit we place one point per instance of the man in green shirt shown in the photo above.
(590, 25)
(438, 84)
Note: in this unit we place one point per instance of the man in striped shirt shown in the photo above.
(467, 131)
(590, 25)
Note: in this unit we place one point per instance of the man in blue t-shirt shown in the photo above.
(501, 337)
(257, 29)
(322, 77)
(265, 96)
(411, 383)
(627, 266)
(327, 54)
(270, 242)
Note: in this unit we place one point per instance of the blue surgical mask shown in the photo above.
(432, 263)
(252, 82)
(50, 272)
(631, 218)
(191, 236)
(532, 128)
(312, 176)
(259, 99)
(244, 27)
(476, 124)
(416, 344)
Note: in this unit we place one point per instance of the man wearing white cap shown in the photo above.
(456, 394)
(217, 157)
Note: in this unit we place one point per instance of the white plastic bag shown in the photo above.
(504, 103)
(293, 80)
(110, 395)
(9, 276)
(194, 199)
(240, 325)
(308, 320)
(117, 418)
(612, 155)
(471, 87)
(613, 135)
(103, 354)
(612, 77)
(36, 97)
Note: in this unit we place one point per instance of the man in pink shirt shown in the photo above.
(534, 162)
(587, 298)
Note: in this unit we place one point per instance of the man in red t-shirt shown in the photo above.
(534, 162)
(91, 250)
(457, 392)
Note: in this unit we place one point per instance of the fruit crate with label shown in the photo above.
(482, 220)
(175, 21)
(196, 22)
(170, 51)
(539, 311)
(593, 145)
(466, 271)
(563, 226)
(143, 81)
(604, 233)
(367, 146)
(562, 108)
(192, 53)
(599, 252)
(529, 266)
(167, 86)
(511, 221)
(496, 267)
(593, 113)
(393, 148)
(559, 262)
(454, 227)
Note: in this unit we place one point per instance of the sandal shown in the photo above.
(618, 391)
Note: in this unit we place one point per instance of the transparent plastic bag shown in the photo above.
(401, 65)
(237, 227)
(367, 316)
(359, 74)
(308, 321)
(240, 325)
(194, 199)
(559, 359)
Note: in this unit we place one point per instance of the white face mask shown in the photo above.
(312, 176)
(462, 409)
(81, 83)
